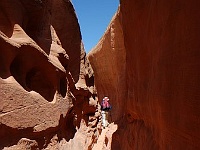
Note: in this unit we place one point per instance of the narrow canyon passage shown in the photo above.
(146, 62)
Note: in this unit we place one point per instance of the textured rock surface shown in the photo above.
(108, 60)
(44, 96)
(158, 70)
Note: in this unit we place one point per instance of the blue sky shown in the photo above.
(94, 16)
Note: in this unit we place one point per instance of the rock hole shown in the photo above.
(37, 81)
(64, 60)
(17, 72)
(63, 86)
(106, 141)
(89, 80)
(5, 60)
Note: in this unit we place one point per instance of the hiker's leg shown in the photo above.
(106, 115)
(103, 116)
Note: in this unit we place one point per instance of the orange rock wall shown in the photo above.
(158, 70)
(43, 92)
(108, 59)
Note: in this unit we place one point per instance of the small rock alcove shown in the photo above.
(35, 80)
(29, 73)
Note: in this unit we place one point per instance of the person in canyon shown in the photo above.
(105, 108)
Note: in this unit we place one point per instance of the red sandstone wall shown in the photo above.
(159, 72)
(163, 52)
(41, 59)
(108, 59)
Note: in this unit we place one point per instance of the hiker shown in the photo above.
(105, 107)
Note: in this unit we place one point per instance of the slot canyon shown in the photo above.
(146, 62)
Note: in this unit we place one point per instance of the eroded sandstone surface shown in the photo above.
(47, 93)
(147, 62)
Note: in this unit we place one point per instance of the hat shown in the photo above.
(106, 98)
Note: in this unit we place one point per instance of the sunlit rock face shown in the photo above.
(154, 81)
(46, 83)
(108, 60)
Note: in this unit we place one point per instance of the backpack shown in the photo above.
(105, 105)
